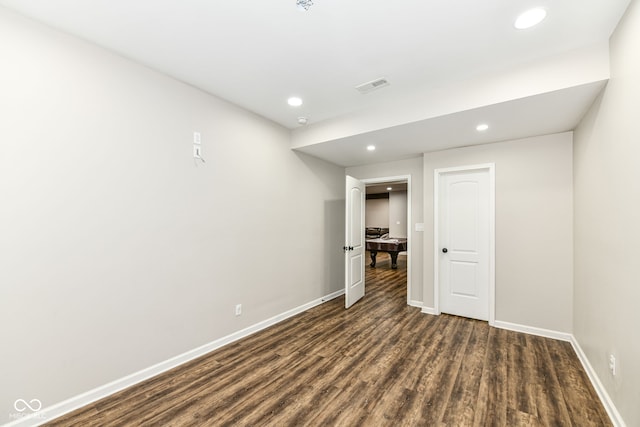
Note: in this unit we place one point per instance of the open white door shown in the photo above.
(354, 242)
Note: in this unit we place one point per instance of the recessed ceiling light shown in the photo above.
(294, 101)
(371, 147)
(389, 188)
(302, 121)
(482, 127)
(530, 18)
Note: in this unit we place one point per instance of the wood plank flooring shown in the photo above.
(380, 363)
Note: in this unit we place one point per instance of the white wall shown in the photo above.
(413, 168)
(398, 214)
(377, 213)
(534, 241)
(607, 224)
(116, 250)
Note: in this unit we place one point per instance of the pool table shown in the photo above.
(391, 246)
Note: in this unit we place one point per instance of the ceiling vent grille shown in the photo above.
(372, 85)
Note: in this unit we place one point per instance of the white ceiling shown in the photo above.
(257, 53)
(543, 114)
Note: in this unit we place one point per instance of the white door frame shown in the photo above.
(490, 167)
(406, 178)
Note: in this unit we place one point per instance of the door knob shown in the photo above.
(445, 250)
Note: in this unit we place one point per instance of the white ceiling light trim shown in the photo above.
(371, 147)
(530, 18)
(482, 127)
(294, 101)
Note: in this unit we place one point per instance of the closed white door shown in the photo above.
(354, 248)
(463, 243)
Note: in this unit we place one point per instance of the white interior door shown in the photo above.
(464, 243)
(354, 248)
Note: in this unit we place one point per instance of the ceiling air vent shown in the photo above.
(372, 85)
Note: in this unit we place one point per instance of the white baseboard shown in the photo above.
(611, 409)
(77, 402)
(531, 330)
(429, 310)
(333, 295)
(414, 303)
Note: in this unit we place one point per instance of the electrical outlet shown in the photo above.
(612, 364)
(196, 138)
(238, 309)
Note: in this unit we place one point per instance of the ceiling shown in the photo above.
(544, 114)
(257, 53)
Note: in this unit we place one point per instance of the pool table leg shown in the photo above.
(394, 259)
(373, 258)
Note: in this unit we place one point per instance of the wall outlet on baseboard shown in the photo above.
(238, 309)
(612, 364)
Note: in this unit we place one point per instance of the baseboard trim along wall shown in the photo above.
(429, 310)
(531, 330)
(611, 409)
(334, 295)
(47, 414)
(413, 303)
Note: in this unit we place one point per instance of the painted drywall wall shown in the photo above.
(534, 242)
(377, 213)
(607, 226)
(398, 214)
(117, 249)
(412, 168)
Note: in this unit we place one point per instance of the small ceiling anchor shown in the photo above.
(304, 4)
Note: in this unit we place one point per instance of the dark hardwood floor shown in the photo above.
(380, 363)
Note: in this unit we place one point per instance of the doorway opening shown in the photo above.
(388, 230)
